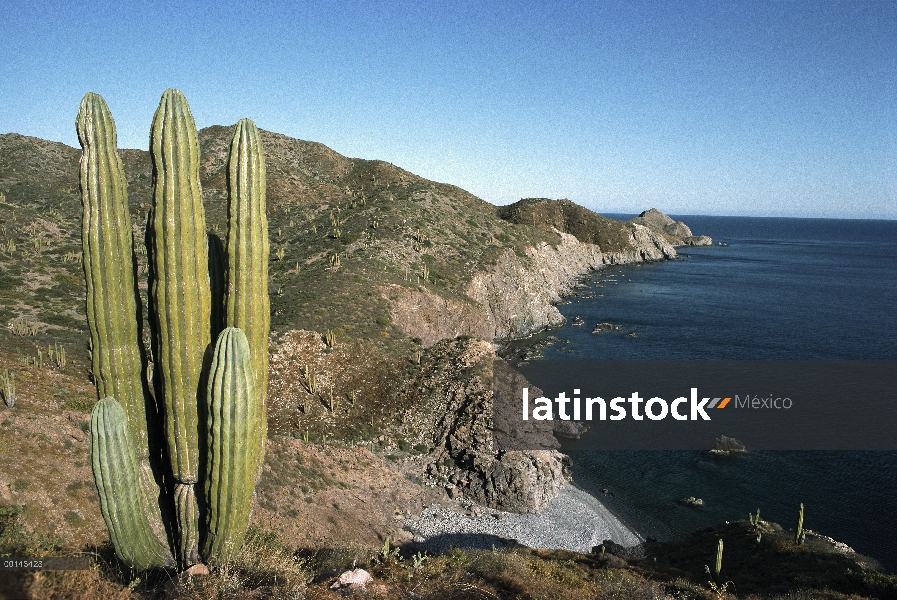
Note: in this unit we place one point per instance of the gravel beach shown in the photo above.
(575, 520)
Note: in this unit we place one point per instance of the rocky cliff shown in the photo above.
(454, 418)
(517, 295)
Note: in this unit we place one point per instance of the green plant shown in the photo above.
(754, 520)
(8, 388)
(799, 535)
(56, 352)
(330, 338)
(311, 381)
(207, 413)
(24, 327)
(718, 566)
(387, 552)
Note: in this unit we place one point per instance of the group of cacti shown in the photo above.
(177, 436)
(24, 327)
(56, 352)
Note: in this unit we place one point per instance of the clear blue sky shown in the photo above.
(729, 108)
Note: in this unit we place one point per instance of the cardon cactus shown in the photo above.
(206, 412)
(112, 301)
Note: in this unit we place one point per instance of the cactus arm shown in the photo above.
(112, 301)
(123, 502)
(247, 251)
(180, 287)
(234, 439)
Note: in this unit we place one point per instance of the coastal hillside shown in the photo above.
(371, 267)
(389, 293)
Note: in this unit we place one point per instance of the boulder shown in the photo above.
(726, 446)
(569, 429)
(356, 579)
(692, 501)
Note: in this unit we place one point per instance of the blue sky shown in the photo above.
(727, 108)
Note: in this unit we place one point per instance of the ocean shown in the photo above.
(780, 289)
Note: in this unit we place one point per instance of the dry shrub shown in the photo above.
(90, 584)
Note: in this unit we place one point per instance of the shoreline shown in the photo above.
(575, 520)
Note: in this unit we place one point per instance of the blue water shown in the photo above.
(781, 289)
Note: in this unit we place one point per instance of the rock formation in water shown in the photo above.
(677, 232)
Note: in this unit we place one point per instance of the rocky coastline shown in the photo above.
(515, 299)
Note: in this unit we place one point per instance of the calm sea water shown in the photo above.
(781, 289)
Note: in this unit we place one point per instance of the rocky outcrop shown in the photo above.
(677, 232)
(726, 446)
(454, 418)
(517, 296)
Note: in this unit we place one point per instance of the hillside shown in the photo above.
(389, 413)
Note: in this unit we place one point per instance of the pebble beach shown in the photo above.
(575, 520)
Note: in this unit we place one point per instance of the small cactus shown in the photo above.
(799, 535)
(311, 381)
(234, 427)
(754, 520)
(8, 388)
(718, 565)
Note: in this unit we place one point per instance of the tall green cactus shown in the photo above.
(212, 432)
(180, 286)
(112, 300)
(181, 297)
